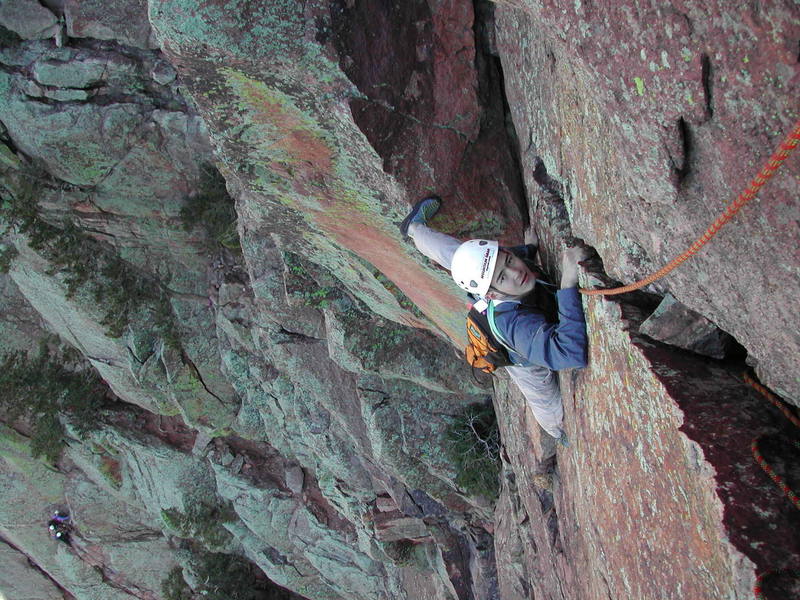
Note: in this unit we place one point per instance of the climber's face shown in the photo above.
(512, 278)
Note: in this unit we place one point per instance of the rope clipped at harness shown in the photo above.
(775, 161)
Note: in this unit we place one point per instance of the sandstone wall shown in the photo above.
(314, 373)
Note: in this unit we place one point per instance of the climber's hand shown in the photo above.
(569, 265)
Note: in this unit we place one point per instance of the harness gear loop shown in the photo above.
(775, 161)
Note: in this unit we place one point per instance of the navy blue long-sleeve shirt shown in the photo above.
(535, 340)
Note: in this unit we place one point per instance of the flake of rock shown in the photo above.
(385, 504)
(73, 74)
(295, 479)
(677, 325)
(30, 88)
(236, 465)
(426, 504)
(201, 443)
(391, 527)
(28, 18)
(125, 22)
(163, 73)
(67, 95)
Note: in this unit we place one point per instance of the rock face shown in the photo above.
(676, 325)
(293, 413)
(651, 119)
(28, 19)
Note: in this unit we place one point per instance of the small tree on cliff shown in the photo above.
(40, 388)
(125, 292)
(212, 209)
(473, 444)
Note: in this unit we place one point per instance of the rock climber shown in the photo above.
(546, 332)
(59, 527)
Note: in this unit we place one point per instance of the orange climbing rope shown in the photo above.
(775, 161)
(758, 590)
(772, 398)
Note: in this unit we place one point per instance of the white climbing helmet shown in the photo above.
(473, 265)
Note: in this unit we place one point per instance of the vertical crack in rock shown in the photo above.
(550, 185)
(685, 134)
(707, 86)
(196, 372)
(492, 89)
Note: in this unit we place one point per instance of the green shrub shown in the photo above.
(41, 387)
(85, 263)
(173, 587)
(473, 444)
(403, 553)
(226, 577)
(202, 521)
(213, 209)
(218, 576)
(7, 254)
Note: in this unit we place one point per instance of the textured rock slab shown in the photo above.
(20, 325)
(531, 562)
(20, 580)
(28, 18)
(660, 444)
(650, 134)
(389, 528)
(125, 22)
(105, 527)
(320, 174)
(657, 491)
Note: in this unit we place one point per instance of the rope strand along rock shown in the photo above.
(775, 161)
(779, 481)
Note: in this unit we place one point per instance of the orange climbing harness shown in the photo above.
(758, 589)
(775, 161)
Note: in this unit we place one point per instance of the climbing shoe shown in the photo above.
(422, 211)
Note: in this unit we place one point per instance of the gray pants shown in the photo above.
(538, 384)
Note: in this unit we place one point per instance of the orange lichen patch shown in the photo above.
(111, 468)
(294, 142)
(436, 299)
(295, 149)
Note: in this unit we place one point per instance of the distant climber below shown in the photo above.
(544, 331)
(60, 527)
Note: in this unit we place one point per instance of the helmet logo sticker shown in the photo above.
(486, 260)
